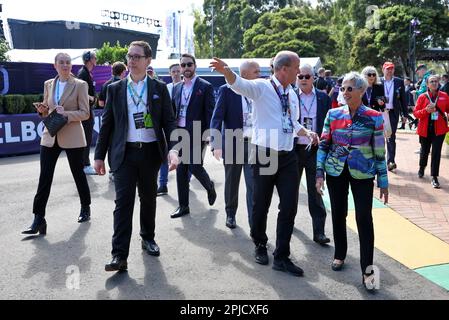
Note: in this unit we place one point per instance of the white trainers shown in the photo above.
(89, 171)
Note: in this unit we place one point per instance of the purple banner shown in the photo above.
(21, 133)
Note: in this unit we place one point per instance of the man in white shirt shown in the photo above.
(275, 125)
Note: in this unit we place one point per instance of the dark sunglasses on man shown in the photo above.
(188, 64)
(304, 76)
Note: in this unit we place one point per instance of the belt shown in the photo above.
(282, 153)
(137, 145)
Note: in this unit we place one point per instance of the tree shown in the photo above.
(108, 54)
(4, 48)
(299, 29)
(231, 20)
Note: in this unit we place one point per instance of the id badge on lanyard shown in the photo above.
(287, 124)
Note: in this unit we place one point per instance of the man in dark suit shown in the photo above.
(137, 118)
(396, 103)
(85, 73)
(233, 118)
(313, 107)
(193, 99)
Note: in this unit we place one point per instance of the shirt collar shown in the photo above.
(313, 93)
(130, 80)
(280, 86)
(190, 82)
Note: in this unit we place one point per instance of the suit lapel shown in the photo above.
(124, 99)
(151, 90)
(194, 92)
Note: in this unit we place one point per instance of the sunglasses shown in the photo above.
(188, 64)
(302, 76)
(371, 74)
(349, 89)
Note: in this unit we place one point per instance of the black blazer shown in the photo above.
(399, 98)
(378, 91)
(114, 126)
(201, 104)
(323, 105)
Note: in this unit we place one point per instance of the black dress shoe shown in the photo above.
(421, 172)
(230, 222)
(392, 166)
(321, 239)
(151, 247)
(337, 266)
(117, 264)
(84, 214)
(162, 190)
(435, 182)
(287, 265)
(181, 211)
(211, 194)
(261, 254)
(39, 225)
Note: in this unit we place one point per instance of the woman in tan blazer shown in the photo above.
(68, 96)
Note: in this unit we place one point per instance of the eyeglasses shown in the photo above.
(349, 89)
(134, 57)
(304, 76)
(371, 74)
(433, 81)
(188, 64)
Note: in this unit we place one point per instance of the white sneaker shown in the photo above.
(89, 171)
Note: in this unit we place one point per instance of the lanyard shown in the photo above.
(311, 105)
(436, 99)
(133, 93)
(249, 105)
(368, 95)
(283, 98)
(186, 97)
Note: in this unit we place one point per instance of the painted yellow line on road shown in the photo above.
(404, 241)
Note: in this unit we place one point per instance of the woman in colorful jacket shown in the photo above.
(352, 152)
(431, 108)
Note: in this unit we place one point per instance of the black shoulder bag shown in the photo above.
(54, 122)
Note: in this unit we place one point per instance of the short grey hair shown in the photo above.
(284, 59)
(371, 69)
(358, 80)
(247, 64)
(308, 68)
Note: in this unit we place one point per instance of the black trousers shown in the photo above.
(233, 173)
(182, 178)
(436, 142)
(307, 161)
(362, 191)
(286, 181)
(391, 142)
(48, 159)
(88, 126)
(139, 168)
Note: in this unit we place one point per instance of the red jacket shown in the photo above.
(424, 117)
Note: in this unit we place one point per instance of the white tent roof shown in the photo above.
(44, 55)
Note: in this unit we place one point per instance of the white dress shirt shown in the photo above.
(247, 114)
(389, 92)
(267, 112)
(144, 134)
(186, 94)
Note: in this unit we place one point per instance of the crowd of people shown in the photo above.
(334, 131)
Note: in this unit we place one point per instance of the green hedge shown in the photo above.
(18, 103)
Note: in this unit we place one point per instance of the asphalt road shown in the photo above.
(200, 258)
